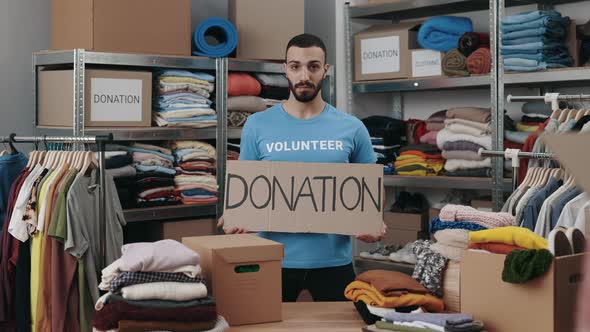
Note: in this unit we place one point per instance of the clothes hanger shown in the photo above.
(530, 175)
(32, 159)
(13, 150)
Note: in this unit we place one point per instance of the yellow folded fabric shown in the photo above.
(525, 128)
(362, 291)
(410, 162)
(175, 79)
(409, 157)
(418, 172)
(518, 236)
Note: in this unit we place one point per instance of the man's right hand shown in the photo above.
(233, 230)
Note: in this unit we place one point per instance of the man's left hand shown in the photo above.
(370, 238)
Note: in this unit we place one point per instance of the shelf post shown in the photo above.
(497, 101)
(221, 143)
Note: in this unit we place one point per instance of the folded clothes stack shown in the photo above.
(428, 322)
(156, 286)
(467, 129)
(419, 160)
(195, 181)
(155, 173)
(182, 99)
(535, 41)
(386, 155)
(249, 94)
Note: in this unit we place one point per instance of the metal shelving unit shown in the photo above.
(79, 59)
(443, 182)
(496, 81)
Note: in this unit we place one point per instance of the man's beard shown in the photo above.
(306, 96)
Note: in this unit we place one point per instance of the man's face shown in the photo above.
(305, 70)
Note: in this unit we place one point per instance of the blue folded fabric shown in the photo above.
(531, 46)
(442, 33)
(540, 66)
(177, 108)
(185, 73)
(531, 49)
(165, 170)
(527, 40)
(436, 225)
(549, 22)
(536, 63)
(540, 56)
(555, 33)
(165, 156)
(219, 29)
(529, 16)
(199, 192)
(194, 118)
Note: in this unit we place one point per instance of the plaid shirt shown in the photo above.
(133, 278)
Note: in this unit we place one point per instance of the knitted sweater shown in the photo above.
(453, 212)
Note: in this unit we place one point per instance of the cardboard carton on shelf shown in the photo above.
(123, 26)
(403, 228)
(243, 273)
(263, 29)
(113, 98)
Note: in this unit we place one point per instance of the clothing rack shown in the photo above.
(515, 155)
(100, 141)
(552, 97)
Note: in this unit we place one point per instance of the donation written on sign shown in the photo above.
(301, 197)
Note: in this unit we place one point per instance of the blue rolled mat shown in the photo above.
(220, 29)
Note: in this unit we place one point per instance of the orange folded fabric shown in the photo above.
(495, 247)
(391, 283)
(242, 84)
(480, 61)
(362, 291)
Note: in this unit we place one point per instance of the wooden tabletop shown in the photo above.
(312, 316)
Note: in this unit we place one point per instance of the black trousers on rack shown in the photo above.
(324, 284)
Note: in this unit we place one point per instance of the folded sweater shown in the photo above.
(476, 114)
(361, 291)
(445, 136)
(165, 290)
(513, 235)
(452, 212)
(452, 165)
(387, 282)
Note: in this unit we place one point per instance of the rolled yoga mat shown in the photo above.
(454, 63)
(221, 30)
(471, 41)
(480, 61)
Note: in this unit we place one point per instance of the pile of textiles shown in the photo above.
(467, 129)
(195, 181)
(377, 292)
(156, 286)
(386, 155)
(233, 151)
(249, 94)
(419, 160)
(429, 322)
(119, 165)
(434, 124)
(415, 130)
(535, 40)
(442, 33)
(182, 99)
(527, 253)
(154, 181)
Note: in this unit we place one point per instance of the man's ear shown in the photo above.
(326, 69)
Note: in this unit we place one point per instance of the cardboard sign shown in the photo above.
(114, 98)
(426, 63)
(571, 152)
(380, 55)
(304, 197)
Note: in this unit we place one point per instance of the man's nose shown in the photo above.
(305, 74)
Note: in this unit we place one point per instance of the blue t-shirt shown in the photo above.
(330, 137)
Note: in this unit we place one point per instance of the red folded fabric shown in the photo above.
(512, 145)
(480, 61)
(496, 248)
(108, 318)
(242, 84)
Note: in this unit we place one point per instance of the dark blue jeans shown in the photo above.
(324, 284)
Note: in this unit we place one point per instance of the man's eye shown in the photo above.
(294, 67)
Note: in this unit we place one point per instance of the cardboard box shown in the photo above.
(383, 51)
(263, 28)
(243, 273)
(433, 213)
(176, 230)
(304, 197)
(426, 63)
(125, 26)
(452, 286)
(482, 204)
(545, 304)
(113, 98)
(405, 227)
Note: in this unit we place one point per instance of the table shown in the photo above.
(312, 316)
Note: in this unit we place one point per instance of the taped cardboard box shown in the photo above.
(383, 51)
(545, 304)
(243, 273)
(114, 98)
(124, 26)
(304, 197)
(403, 228)
(426, 63)
(264, 29)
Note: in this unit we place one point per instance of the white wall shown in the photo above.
(24, 28)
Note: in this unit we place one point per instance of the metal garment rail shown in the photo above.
(100, 141)
(553, 98)
(515, 155)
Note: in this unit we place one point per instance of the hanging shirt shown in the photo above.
(569, 215)
(10, 167)
(329, 137)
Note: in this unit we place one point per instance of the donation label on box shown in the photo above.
(380, 55)
(115, 98)
(301, 197)
(426, 63)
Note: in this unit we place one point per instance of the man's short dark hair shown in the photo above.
(305, 40)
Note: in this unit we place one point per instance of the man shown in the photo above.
(321, 263)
